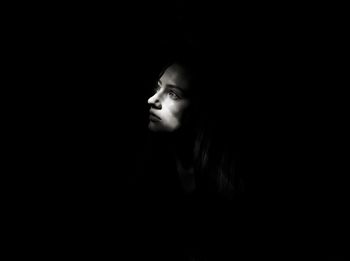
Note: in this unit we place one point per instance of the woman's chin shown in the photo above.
(154, 127)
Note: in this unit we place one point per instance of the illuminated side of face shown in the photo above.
(170, 102)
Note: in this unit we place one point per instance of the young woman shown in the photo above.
(192, 130)
(192, 171)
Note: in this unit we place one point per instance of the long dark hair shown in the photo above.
(217, 161)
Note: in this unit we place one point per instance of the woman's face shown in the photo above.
(170, 103)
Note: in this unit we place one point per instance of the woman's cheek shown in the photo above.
(179, 108)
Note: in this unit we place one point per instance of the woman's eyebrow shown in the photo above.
(172, 86)
(175, 87)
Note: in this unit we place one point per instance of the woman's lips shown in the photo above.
(153, 117)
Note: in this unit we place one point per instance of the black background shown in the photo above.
(90, 69)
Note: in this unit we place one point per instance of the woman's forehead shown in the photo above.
(175, 75)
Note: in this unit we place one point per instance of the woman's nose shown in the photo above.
(154, 101)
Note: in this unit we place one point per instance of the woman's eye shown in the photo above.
(173, 95)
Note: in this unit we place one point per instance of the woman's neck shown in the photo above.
(182, 146)
(183, 154)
